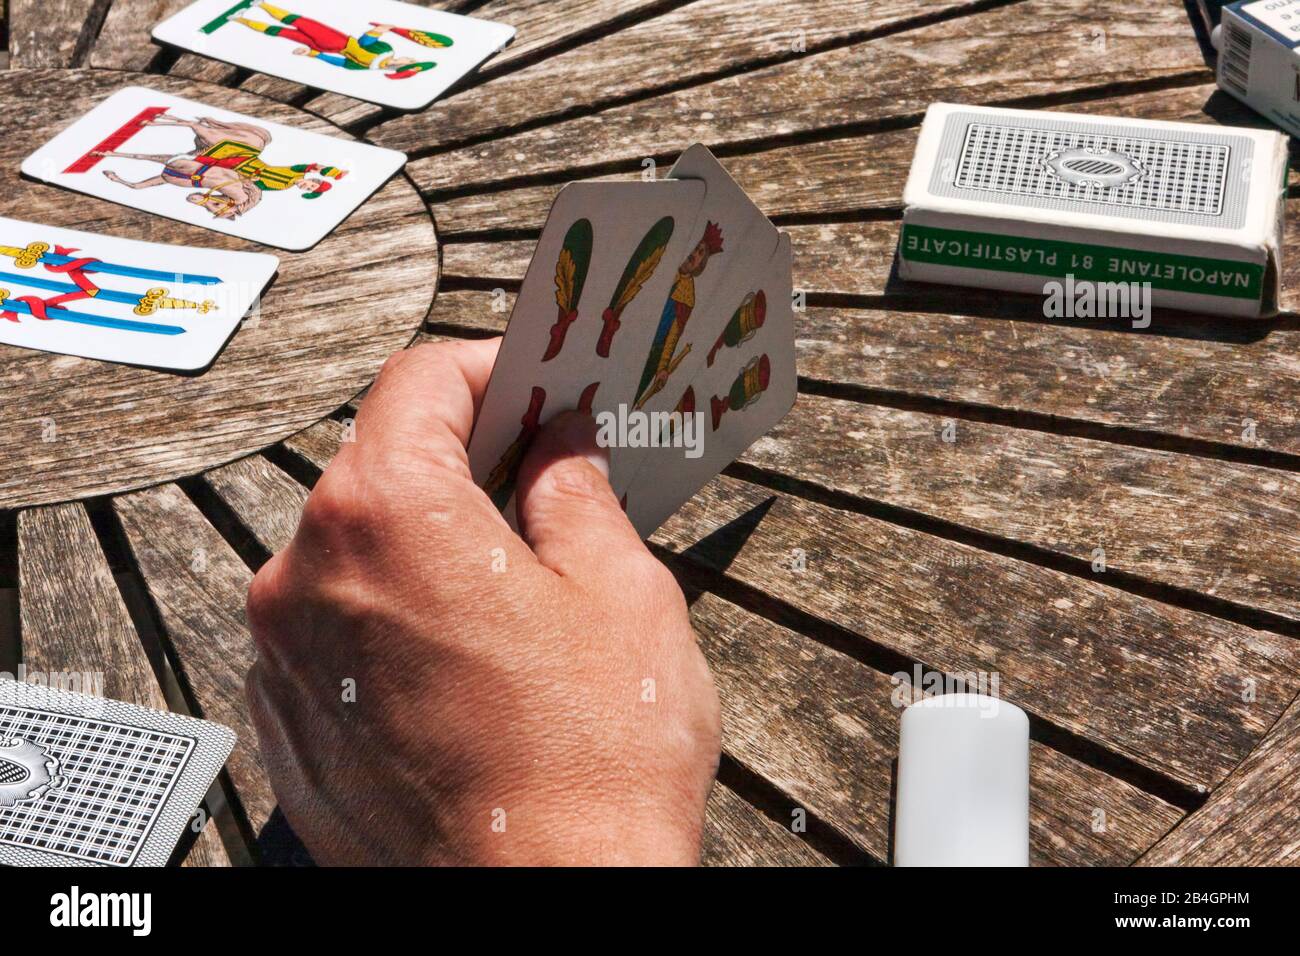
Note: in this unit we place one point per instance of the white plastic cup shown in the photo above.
(963, 783)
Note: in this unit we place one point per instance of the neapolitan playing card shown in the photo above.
(119, 300)
(393, 54)
(735, 242)
(585, 315)
(86, 781)
(207, 166)
(747, 385)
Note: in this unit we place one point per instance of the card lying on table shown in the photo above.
(140, 303)
(393, 54)
(86, 781)
(207, 166)
(639, 296)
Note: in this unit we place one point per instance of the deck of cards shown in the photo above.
(86, 781)
(393, 54)
(662, 308)
(1012, 199)
(1259, 57)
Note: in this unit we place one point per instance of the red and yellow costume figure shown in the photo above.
(366, 52)
(246, 160)
(663, 358)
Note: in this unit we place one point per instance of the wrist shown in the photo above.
(578, 832)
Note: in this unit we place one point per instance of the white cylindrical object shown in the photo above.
(963, 783)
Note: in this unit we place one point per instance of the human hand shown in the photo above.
(519, 699)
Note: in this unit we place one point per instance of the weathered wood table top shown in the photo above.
(851, 544)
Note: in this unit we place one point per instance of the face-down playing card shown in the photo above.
(86, 781)
(585, 315)
(747, 385)
(100, 297)
(735, 241)
(235, 174)
(394, 54)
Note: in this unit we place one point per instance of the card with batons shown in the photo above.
(119, 300)
(585, 315)
(747, 385)
(210, 167)
(393, 54)
(86, 781)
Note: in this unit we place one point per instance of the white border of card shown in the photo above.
(116, 784)
(426, 51)
(236, 174)
(119, 300)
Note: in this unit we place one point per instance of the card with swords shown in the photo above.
(664, 309)
(119, 300)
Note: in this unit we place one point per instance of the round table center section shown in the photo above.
(74, 428)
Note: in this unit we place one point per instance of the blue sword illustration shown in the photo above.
(81, 318)
(39, 252)
(146, 304)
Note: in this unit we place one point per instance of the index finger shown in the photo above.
(425, 401)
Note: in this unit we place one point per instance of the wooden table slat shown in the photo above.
(317, 445)
(1082, 656)
(1250, 820)
(199, 586)
(1235, 537)
(823, 728)
(1078, 45)
(265, 499)
(845, 176)
(124, 41)
(74, 621)
(49, 33)
(735, 834)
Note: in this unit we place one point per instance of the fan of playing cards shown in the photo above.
(664, 309)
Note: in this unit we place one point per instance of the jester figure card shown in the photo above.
(664, 310)
(86, 781)
(393, 54)
(207, 166)
(140, 303)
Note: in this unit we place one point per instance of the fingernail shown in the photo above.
(576, 433)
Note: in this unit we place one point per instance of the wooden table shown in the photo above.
(853, 543)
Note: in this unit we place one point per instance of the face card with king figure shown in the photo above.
(393, 54)
(207, 166)
(747, 385)
(734, 242)
(585, 315)
(119, 300)
(86, 781)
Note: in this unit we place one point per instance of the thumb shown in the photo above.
(566, 509)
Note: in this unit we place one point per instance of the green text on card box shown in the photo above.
(1049, 257)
